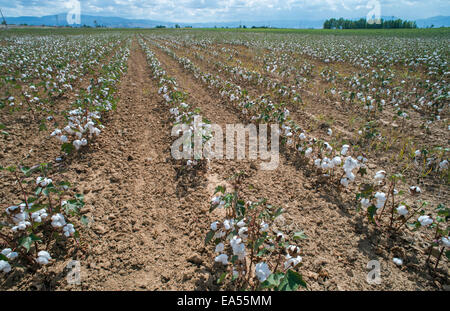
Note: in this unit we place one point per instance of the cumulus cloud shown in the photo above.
(228, 10)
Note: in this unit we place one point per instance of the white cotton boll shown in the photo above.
(243, 232)
(84, 142)
(398, 261)
(63, 139)
(223, 258)
(96, 131)
(5, 266)
(308, 152)
(264, 227)
(8, 253)
(69, 130)
(219, 234)
(227, 224)
(337, 161)
(344, 182)
(214, 226)
(415, 190)
(58, 221)
(77, 144)
(262, 271)
(330, 132)
(350, 175)
(365, 202)
(241, 223)
(381, 199)
(417, 153)
(79, 135)
(43, 258)
(402, 210)
(350, 164)
(216, 200)
(446, 241)
(68, 230)
(443, 165)
(292, 262)
(56, 132)
(425, 220)
(302, 136)
(380, 175)
(219, 248)
(20, 218)
(317, 163)
(280, 236)
(345, 149)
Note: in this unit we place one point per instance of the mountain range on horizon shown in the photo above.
(119, 22)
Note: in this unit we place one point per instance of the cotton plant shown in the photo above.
(180, 112)
(437, 223)
(28, 228)
(84, 121)
(253, 254)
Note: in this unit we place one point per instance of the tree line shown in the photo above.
(362, 23)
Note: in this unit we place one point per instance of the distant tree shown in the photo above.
(362, 24)
(177, 26)
(3, 22)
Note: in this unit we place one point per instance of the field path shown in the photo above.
(142, 235)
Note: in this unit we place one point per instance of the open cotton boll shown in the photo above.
(56, 132)
(344, 182)
(241, 223)
(345, 149)
(302, 136)
(262, 271)
(337, 161)
(214, 226)
(380, 175)
(365, 203)
(223, 258)
(308, 152)
(77, 144)
(68, 230)
(8, 253)
(227, 224)
(219, 248)
(443, 165)
(381, 199)
(43, 258)
(58, 221)
(243, 232)
(446, 241)
(330, 132)
(317, 163)
(292, 262)
(402, 210)
(264, 227)
(415, 190)
(398, 261)
(5, 266)
(425, 220)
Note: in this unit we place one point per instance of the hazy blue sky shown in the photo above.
(229, 10)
